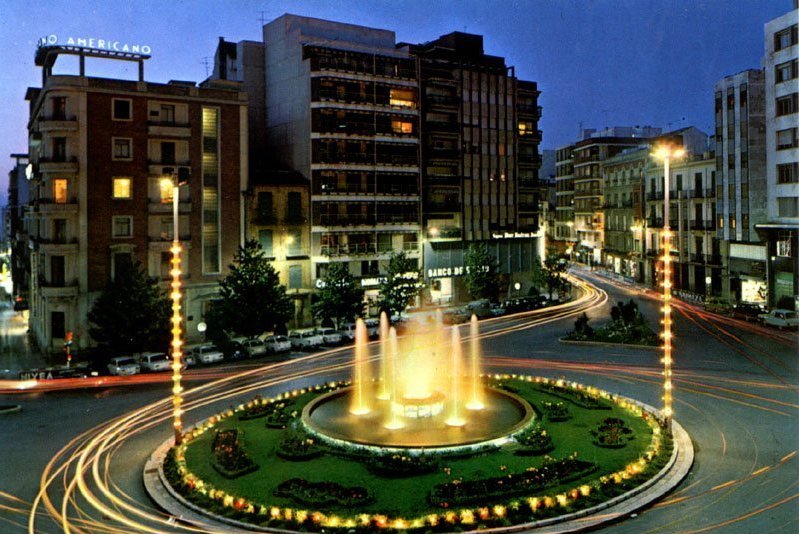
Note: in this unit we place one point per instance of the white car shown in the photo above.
(330, 336)
(253, 345)
(780, 318)
(305, 339)
(206, 353)
(154, 361)
(372, 327)
(277, 344)
(123, 366)
(347, 331)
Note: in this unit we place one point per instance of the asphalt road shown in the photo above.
(736, 393)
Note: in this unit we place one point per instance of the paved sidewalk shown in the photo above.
(16, 349)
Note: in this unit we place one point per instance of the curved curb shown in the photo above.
(668, 478)
(14, 408)
(607, 344)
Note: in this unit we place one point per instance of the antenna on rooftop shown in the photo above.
(206, 61)
(262, 18)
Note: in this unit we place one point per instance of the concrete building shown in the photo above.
(98, 151)
(16, 231)
(623, 207)
(781, 229)
(741, 185)
(480, 162)
(565, 234)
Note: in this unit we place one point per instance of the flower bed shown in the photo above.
(322, 493)
(401, 465)
(582, 399)
(261, 408)
(552, 473)
(556, 412)
(298, 446)
(612, 433)
(230, 460)
(534, 442)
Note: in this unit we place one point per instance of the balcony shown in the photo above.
(168, 129)
(442, 101)
(397, 159)
(58, 123)
(440, 126)
(58, 165)
(713, 259)
(529, 159)
(528, 206)
(654, 222)
(354, 249)
(156, 167)
(529, 111)
(57, 245)
(166, 237)
(397, 218)
(530, 135)
(58, 288)
(443, 179)
(445, 233)
(443, 207)
(294, 219)
(444, 154)
(156, 206)
(264, 217)
(49, 205)
(586, 159)
(528, 183)
(343, 219)
(654, 195)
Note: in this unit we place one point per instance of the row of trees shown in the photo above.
(132, 314)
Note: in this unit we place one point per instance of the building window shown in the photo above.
(121, 109)
(168, 153)
(122, 149)
(59, 149)
(786, 138)
(60, 191)
(167, 227)
(122, 187)
(122, 226)
(785, 71)
(211, 224)
(785, 105)
(59, 234)
(403, 98)
(294, 242)
(401, 127)
(732, 221)
(294, 208)
(57, 325)
(59, 108)
(265, 240)
(167, 114)
(57, 271)
(121, 262)
(295, 276)
(788, 206)
(785, 38)
(166, 190)
(165, 265)
(784, 248)
(788, 173)
(744, 160)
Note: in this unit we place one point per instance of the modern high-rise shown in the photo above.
(342, 109)
(99, 149)
(781, 229)
(479, 145)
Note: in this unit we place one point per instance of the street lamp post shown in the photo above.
(176, 180)
(667, 153)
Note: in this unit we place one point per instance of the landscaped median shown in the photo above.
(604, 447)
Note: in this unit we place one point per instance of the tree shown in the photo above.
(339, 299)
(554, 268)
(402, 284)
(538, 278)
(251, 299)
(482, 279)
(132, 314)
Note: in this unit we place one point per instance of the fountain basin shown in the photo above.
(328, 418)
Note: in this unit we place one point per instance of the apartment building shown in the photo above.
(781, 229)
(16, 231)
(99, 149)
(565, 234)
(480, 161)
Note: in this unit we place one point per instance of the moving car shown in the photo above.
(780, 318)
(277, 344)
(330, 336)
(124, 366)
(305, 339)
(154, 361)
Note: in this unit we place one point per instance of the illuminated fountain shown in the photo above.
(416, 391)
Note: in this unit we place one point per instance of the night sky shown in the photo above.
(597, 62)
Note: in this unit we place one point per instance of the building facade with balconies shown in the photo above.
(780, 231)
(565, 234)
(16, 230)
(342, 108)
(99, 149)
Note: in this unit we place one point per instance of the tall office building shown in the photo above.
(480, 161)
(781, 230)
(99, 149)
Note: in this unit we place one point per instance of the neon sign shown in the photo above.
(95, 44)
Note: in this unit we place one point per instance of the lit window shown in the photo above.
(60, 190)
(403, 98)
(402, 127)
(167, 190)
(122, 187)
(122, 226)
(122, 148)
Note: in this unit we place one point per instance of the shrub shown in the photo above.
(401, 465)
(575, 396)
(322, 493)
(556, 412)
(612, 433)
(298, 446)
(230, 459)
(534, 441)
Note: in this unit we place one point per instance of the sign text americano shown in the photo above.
(96, 44)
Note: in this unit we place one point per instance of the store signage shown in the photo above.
(442, 272)
(510, 235)
(95, 44)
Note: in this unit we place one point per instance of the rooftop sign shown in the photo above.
(95, 44)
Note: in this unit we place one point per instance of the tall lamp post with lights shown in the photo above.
(666, 153)
(175, 179)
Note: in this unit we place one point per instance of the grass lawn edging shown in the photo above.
(565, 341)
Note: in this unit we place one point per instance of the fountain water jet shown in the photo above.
(394, 422)
(455, 418)
(384, 391)
(476, 400)
(360, 402)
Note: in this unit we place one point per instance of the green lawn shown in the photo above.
(407, 497)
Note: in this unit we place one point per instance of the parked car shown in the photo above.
(277, 344)
(305, 339)
(481, 308)
(780, 318)
(347, 331)
(497, 310)
(123, 366)
(206, 353)
(254, 346)
(747, 311)
(330, 336)
(717, 305)
(154, 361)
(456, 316)
(235, 350)
(372, 327)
